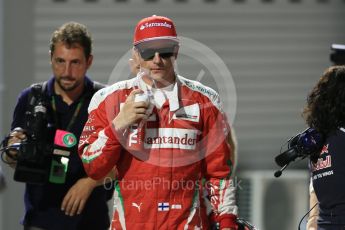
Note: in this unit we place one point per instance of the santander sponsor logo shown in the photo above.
(155, 24)
(171, 138)
(133, 136)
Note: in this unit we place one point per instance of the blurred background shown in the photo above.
(276, 50)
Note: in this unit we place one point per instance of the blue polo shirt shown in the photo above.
(43, 202)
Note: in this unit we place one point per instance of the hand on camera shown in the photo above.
(131, 112)
(17, 135)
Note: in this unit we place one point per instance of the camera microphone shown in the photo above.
(38, 119)
(307, 143)
(286, 157)
(279, 172)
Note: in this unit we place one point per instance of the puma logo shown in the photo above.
(137, 206)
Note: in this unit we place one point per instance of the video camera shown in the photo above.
(307, 143)
(43, 155)
(33, 154)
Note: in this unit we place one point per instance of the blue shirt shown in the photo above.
(43, 202)
(329, 180)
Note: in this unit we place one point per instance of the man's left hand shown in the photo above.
(76, 197)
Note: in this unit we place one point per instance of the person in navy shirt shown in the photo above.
(72, 204)
(325, 111)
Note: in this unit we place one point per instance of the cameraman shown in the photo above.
(337, 57)
(77, 203)
(325, 112)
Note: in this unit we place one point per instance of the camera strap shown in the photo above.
(96, 86)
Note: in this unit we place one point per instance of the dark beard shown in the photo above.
(67, 89)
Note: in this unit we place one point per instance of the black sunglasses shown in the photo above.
(149, 53)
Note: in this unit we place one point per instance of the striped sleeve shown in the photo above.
(99, 147)
(218, 166)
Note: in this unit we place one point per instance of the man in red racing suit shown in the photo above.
(164, 152)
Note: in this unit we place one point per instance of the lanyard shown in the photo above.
(76, 112)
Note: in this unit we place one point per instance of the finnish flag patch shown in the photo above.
(163, 207)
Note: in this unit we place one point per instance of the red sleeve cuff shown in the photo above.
(227, 221)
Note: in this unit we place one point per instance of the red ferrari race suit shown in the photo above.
(184, 149)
